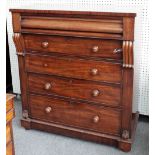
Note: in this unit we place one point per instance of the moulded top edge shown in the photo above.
(65, 12)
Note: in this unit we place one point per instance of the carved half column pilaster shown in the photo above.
(19, 43)
(127, 89)
(128, 54)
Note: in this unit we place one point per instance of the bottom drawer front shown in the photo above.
(80, 115)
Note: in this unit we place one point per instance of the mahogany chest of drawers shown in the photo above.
(76, 73)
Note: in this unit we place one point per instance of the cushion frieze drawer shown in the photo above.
(76, 68)
(74, 46)
(73, 24)
(79, 89)
(81, 115)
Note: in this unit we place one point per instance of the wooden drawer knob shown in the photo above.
(95, 49)
(48, 109)
(96, 119)
(94, 71)
(44, 44)
(47, 86)
(45, 65)
(95, 93)
(117, 50)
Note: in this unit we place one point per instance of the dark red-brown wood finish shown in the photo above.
(76, 68)
(76, 73)
(70, 46)
(71, 88)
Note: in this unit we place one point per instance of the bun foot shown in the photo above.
(124, 146)
(26, 123)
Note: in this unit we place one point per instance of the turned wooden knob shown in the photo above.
(94, 71)
(117, 50)
(95, 49)
(47, 86)
(48, 109)
(44, 44)
(95, 93)
(45, 65)
(96, 119)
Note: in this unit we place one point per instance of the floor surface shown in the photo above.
(33, 142)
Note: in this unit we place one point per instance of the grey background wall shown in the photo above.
(141, 78)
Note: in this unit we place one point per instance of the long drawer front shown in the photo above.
(74, 46)
(79, 89)
(75, 68)
(81, 115)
